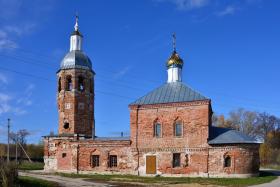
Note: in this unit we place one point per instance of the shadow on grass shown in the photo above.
(24, 181)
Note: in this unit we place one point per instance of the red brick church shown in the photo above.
(171, 132)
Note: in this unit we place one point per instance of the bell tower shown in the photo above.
(75, 94)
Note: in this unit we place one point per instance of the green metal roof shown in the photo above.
(170, 93)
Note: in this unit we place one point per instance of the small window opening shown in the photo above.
(157, 130)
(186, 160)
(95, 161)
(176, 160)
(66, 125)
(81, 85)
(227, 161)
(64, 155)
(178, 129)
(69, 84)
(113, 161)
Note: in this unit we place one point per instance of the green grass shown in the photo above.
(263, 178)
(31, 166)
(24, 181)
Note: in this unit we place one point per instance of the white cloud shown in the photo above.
(190, 4)
(26, 98)
(19, 111)
(19, 18)
(4, 103)
(121, 73)
(3, 79)
(187, 4)
(6, 42)
(17, 107)
(19, 30)
(229, 10)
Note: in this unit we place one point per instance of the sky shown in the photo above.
(231, 53)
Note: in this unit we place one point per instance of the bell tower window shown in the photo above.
(69, 84)
(81, 85)
(59, 84)
(91, 86)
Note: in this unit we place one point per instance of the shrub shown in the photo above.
(8, 174)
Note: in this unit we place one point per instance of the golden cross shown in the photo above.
(174, 41)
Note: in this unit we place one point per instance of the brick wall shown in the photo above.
(194, 117)
(76, 107)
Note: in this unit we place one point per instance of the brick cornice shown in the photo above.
(191, 149)
(169, 105)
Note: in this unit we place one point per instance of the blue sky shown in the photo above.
(230, 50)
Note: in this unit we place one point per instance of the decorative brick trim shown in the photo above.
(169, 105)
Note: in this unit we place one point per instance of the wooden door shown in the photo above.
(151, 164)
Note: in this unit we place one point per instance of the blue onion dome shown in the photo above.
(76, 59)
(174, 60)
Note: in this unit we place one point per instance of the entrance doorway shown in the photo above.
(151, 164)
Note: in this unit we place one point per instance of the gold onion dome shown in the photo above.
(174, 60)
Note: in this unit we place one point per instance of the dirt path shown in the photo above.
(80, 182)
(64, 181)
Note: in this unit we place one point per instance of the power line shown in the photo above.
(115, 83)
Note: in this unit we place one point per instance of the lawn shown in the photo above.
(24, 181)
(31, 166)
(263, 178)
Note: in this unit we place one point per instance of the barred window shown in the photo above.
(176, 160)
(64, 155)
(157, 130)
(178, 128)
(113, 161)
(95, 161)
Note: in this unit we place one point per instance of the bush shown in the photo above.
(8, 174)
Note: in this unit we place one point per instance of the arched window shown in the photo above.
(81, 84)
(69, 84)
(157, 129)
(178, 129)
(59, 84)
(227, 161)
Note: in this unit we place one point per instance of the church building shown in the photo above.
(171, 132)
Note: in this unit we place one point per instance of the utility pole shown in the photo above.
(8, 148)
(16, 148)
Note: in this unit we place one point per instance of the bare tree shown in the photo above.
(20, 138)
(243, 121)
(267, 123)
